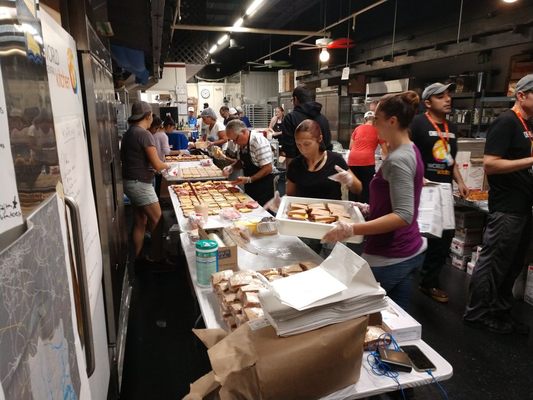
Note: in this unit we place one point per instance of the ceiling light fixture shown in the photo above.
(213, 49)
(238, 23)
(222, 39)
(324, 55)
(253, 7)
(510, 1)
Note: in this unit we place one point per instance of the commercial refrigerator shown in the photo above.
(64, 290)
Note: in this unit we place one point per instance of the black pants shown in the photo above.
(436, 253)
(365, 175)
(505, 244)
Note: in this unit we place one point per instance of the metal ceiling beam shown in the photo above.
(322, 32)
(243, 29)
(451, 49)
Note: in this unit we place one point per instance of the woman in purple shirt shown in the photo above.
(394, 248)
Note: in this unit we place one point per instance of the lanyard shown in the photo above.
(526, 129)
(439, 132)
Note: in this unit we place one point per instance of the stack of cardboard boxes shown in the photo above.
(468, 235)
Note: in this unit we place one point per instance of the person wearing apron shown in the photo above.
(255, 159)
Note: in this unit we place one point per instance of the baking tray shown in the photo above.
(313, 230)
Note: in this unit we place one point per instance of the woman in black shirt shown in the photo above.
(307, 174)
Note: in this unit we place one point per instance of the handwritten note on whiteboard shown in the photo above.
(10, 212)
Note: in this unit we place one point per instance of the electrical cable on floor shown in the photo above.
(380, 368)
(436, 382)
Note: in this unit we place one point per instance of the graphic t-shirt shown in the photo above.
(511, 192)
(438, 156)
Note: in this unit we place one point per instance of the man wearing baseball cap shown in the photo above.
(508, 163)
(436, 140)
(192, 121)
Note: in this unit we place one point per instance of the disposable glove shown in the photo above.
(342, 176)
(273, 203)
(227, 171)
(340, 232)
(363, 207)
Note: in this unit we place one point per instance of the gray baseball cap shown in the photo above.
(525, 84)
(435, 88)
(208, 112)
(138, 110)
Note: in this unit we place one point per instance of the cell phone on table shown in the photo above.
(418, 359)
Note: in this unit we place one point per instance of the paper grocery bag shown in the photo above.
(259, 365)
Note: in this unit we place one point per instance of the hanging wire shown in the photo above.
(394, 27)
(460, 19)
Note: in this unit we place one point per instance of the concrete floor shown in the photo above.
(163, 356)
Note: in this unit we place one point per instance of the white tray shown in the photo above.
(314, 230)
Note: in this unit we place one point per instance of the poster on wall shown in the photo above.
(10, 212)
(73, 153)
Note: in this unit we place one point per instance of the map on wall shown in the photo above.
(37, 338)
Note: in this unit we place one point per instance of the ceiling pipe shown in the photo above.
(157, 13)
(177, 17)
(243, 29)
(325, 29)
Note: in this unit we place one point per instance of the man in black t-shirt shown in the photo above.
(508, 162)
(436, 140)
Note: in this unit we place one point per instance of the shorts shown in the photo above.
(140, 193)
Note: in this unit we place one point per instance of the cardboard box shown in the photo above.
(470, 267)
(460, 262)
(459, 248)
(467, 218)
(227, 255)
(399, 323)
(254, 363)
(470, 236)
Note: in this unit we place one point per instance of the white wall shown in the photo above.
(173, 82)
(258, 87)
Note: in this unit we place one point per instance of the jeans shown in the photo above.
(397, 279)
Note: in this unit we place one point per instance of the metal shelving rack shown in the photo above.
(258, 114)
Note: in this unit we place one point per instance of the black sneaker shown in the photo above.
(491, 324)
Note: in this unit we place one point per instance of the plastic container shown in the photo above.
(313, 230)
(206, 261)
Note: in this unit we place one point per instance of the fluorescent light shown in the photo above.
(213, 49)
(222, 39)
(238, 23)
(324, 55)
(253, 7)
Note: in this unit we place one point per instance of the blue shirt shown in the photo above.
(246, 121)
(178, 141)
(192, 121)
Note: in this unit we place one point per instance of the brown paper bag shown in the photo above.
(260, 365)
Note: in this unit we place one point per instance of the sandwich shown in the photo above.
(294, 206)
(324, 219)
